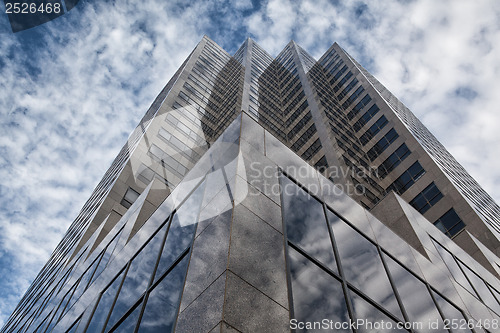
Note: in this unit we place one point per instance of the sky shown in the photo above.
(73, 89)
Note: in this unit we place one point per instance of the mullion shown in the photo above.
(110, 311)
(345, 288)
(151, 280)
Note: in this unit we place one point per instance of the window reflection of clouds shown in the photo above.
(105, 257)
(452, 265)
(128, 325)
(364, 310)
(101, 312)
(137, 278)
(316, 294)
(306, 223)
(450, 312)
(362, 265)
(161, 308)
(481, 288)
(416, 298)
(181, 230)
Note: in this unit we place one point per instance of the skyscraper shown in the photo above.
(264, 195)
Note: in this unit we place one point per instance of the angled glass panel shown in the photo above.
(105, 257)
(129, 323)
(481, 288)
(306, 223)
(105, 303)
(74, 327)
(60, 309)
(450, 312)
(316, 294)
(181, 231)
(163, 301)
(82, 284)
(416, 299)
(371, 319)
(137, 278)
(362, 264)
(453, 267)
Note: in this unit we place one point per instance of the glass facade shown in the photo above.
(253, 197)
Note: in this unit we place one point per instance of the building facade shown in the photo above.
(264, 194)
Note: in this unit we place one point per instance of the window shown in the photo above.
(373, 130)
(359, 106)
(306, 223)
(415, 297)
(322, 164)
(353, 97)
(362, 264)
(450, 223)
(312, 150)
(407, 179)
(129, 198)
(427, 198)
(364, 118)
(393, 161)
(382, 144)
(453, 267)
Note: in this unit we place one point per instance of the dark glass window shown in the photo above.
(362, 264)
(322, 164)
(101, 312)
(365, 117)
(416, 298)
(129, 198)
(83, 283)
(312, 150)
(407, 179)
(359, 106)
(382, 144)
(163, 301)
(306, 223)
(181, 231)
(105, 256)
(137, 278)
(427, 198)
(373, 130)
(450, 223)
(316, 294)
(393, 161)
(127, 325)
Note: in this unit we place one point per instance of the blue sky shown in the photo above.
(63, 83)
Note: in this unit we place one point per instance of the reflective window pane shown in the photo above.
(137, 278)
(163, 301)
(416, 299)
(372, 319)
(105, 303)
(74, 327)
(481, 288)
(181, 231)
(455, 270)
(362, 264)
(82, 284)
(316, 294)
(306, 224)
(129, 323)
(450, 312)
(105, 257)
